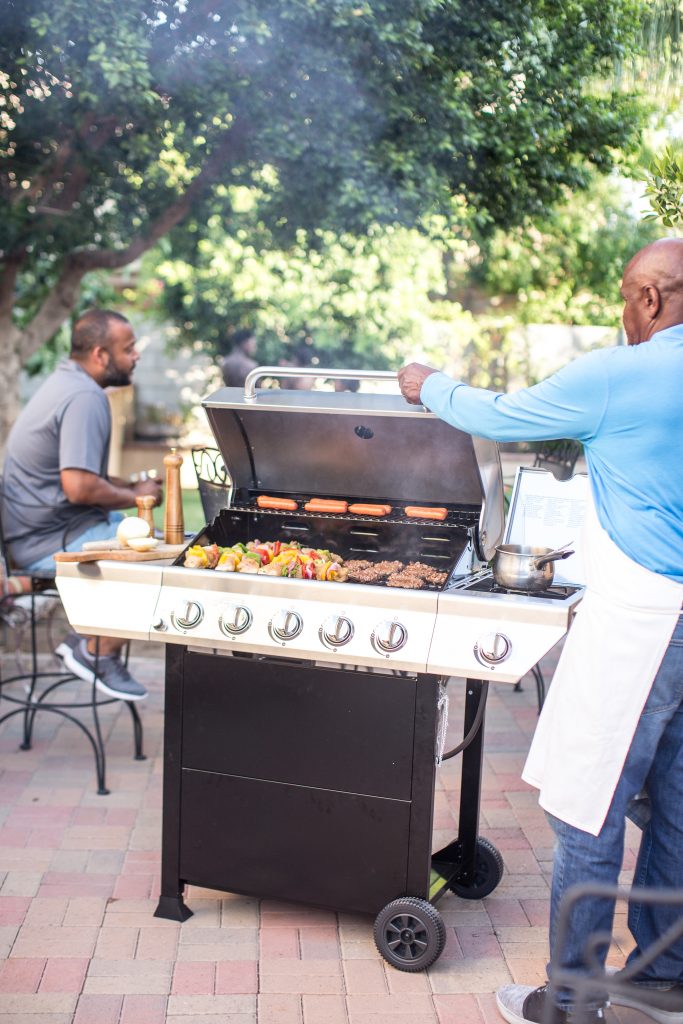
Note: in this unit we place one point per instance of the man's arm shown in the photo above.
(570, 403)
(83, 488)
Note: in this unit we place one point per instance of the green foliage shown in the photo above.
(354, 302)
(344, 113)
(564, 268)
(664, 187)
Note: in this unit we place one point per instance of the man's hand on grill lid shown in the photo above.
(411, 378)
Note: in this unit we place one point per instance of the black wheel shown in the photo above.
(410, 934)
(487, 873)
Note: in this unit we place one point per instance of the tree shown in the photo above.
(349, 301)
(664, 187)
(118, 120)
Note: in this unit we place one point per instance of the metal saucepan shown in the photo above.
(517, 567)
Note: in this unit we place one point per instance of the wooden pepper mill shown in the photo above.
(145, 504)
(174, 527)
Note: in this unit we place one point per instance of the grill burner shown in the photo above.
(488, 585)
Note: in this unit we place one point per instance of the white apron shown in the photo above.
(610, 659)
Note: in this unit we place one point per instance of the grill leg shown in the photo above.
(171, 904)
(457, 862)
(470, 793)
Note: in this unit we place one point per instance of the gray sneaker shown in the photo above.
(113, 678)
(70, 641)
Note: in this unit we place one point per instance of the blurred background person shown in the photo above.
(240, 360)
(299, 355)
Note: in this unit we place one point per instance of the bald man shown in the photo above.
(612, 726)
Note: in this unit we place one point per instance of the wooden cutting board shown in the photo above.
(122, 555)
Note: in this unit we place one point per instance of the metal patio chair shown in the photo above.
(213, 480)
(598, 981)
(38, 689)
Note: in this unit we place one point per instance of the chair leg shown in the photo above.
(29, 714)
(137, 732)
(137, 722)
(540, 686)
(100, 758)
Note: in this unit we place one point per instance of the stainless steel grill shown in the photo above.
(303, 717)
(360, 448)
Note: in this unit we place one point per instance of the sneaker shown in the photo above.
(70, 641)
(665, 1005)
(521, 1003)
(113, 678)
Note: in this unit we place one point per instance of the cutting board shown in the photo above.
(121, 555)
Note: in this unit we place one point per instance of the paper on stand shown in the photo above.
(545, 512)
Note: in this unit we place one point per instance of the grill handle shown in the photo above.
(309, 371)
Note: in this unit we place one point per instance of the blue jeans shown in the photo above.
(101, 531)
(654, 763)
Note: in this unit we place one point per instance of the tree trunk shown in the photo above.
(10, 373)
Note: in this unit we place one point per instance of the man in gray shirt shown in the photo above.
(56, 493)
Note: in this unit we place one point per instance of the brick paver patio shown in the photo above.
(79, 877)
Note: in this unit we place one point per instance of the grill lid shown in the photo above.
(366, 447)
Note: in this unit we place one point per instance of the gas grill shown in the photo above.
(302, 716)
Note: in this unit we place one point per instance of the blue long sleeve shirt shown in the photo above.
(625, 405)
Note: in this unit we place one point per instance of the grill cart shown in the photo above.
(304, 716)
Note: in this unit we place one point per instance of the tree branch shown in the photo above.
(109, 259)
(64, 296)
(54, 310)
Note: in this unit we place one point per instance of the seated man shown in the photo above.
(56, 493)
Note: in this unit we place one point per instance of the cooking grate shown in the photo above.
(456, 518)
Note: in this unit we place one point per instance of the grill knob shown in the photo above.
(492, 648)
(188, 615)
(389, 637)
(235, 620)
(285, 625)
(336, 631)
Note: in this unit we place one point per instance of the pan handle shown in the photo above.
(554, 556)
(309, 371)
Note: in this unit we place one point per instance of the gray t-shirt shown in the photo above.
(65, 425)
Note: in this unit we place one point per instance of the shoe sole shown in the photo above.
(509, 1015)
(88, 676)
(661, 1016)
(61, 650)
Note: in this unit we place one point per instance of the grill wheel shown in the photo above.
(487, 873)
(410, 934)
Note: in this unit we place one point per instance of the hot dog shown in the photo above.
(370, 510)
(426, 513)
(281, 504)
(327, 505)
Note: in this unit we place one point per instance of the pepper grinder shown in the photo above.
(145, 504)
(174, 527)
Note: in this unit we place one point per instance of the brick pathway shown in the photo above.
(79, 880)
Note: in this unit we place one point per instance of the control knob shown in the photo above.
(492, 648)
(285, 625)
(235, 620)
(389, 637)
(188, 615)
(336, 631)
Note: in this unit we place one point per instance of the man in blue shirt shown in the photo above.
(626, 406)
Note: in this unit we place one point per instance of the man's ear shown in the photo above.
(652, 301)
(100, 355)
